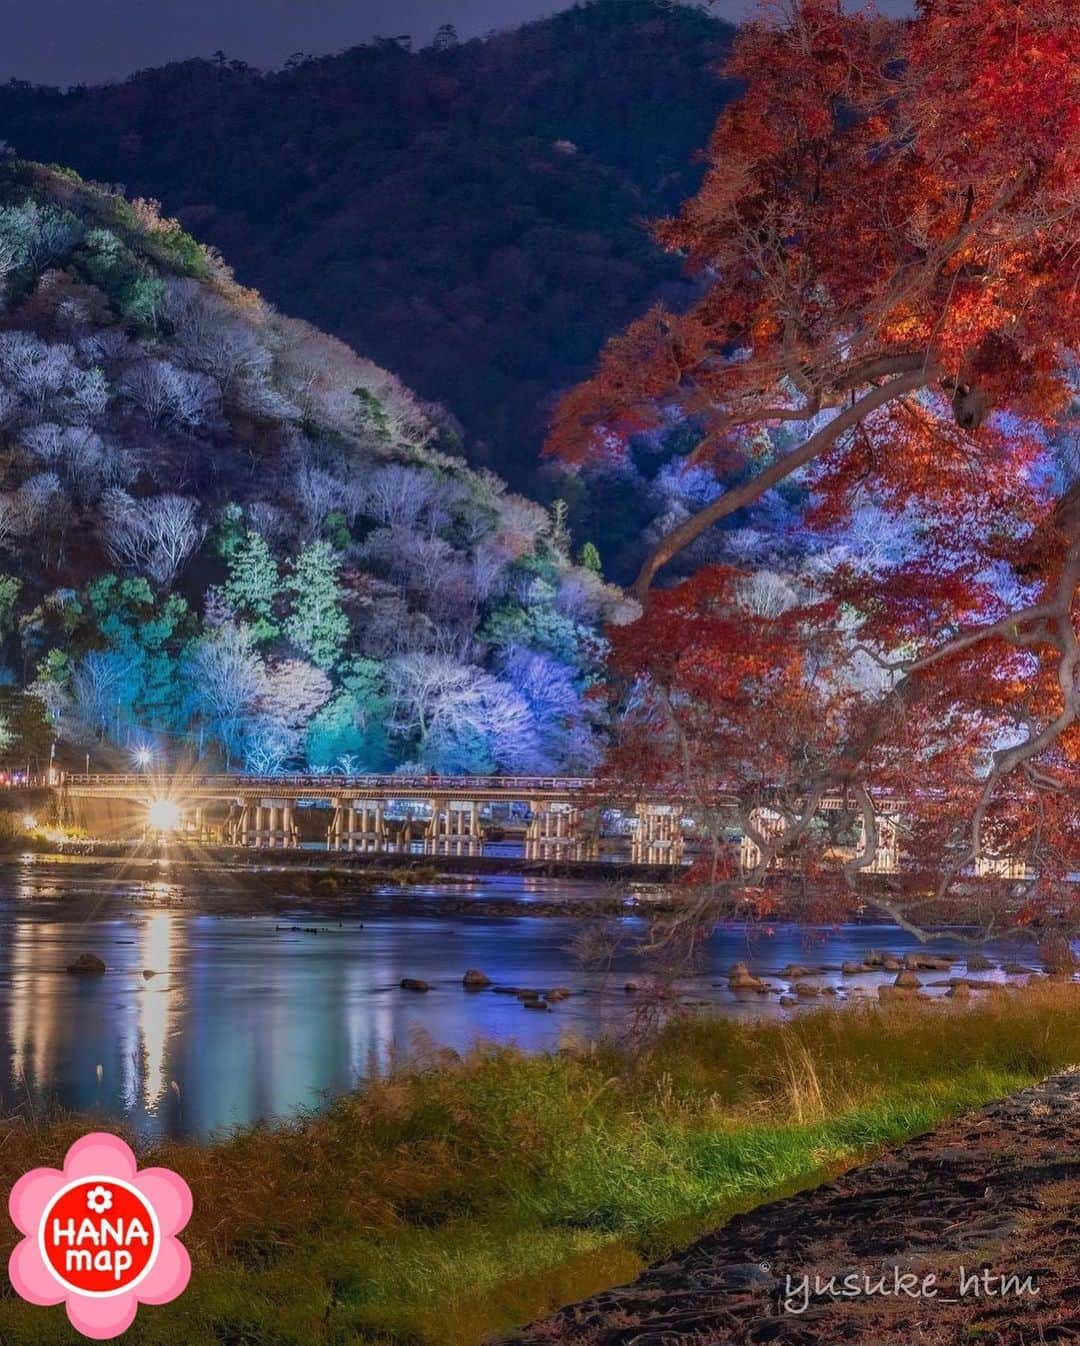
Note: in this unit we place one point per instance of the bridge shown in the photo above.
(559, 817)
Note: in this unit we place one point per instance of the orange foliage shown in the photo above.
(887, 241)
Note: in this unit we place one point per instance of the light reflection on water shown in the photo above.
(243, 1021)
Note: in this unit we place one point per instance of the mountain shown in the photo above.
(471, 214)
(223, 532)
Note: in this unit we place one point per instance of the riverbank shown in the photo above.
(465, 1195)
(981, 1245)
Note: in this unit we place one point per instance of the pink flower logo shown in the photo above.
(100, 1235)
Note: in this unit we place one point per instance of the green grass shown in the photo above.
(464, 1196)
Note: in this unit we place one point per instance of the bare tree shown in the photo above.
(99, 686)
(403, 497)
(170, 395)
(213, 337)
(14, 523)
(227, 678)
(449, 707)
(318, 494)
(47, 379)
(764, 593)
(88, 465)
(155, 536)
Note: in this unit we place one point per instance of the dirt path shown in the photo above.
(995, 1192)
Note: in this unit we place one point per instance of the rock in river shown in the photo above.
(740, 979)
(87, 963)
(414, 984)
(474, 980)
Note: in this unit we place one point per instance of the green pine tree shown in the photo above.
(254, 586)
(589, 557)
(316, 623)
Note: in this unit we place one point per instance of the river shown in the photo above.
(244, 1018)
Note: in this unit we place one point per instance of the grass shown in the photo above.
(465, 1195)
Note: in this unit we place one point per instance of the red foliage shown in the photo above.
(886, 235)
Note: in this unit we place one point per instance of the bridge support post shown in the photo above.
(1000, 867)
(454, 828)
(334, 830)
(658, 838)
(371, 838)
(887, 858)
(770, 824)
(554, 832)
(358, 825)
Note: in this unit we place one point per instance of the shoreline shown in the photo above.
(331, 885)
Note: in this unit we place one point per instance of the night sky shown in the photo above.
(73, 41)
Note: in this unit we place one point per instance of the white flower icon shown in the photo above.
(99, 1199)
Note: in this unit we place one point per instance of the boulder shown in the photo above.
(741, 979)
(795, 970)
(789, 1000)
(907, 980)
(414, 984)
(978, 962)
(558, 993)
(852, 969)
(87, 964)
(1017, 970)
(926, 962)
(474, 980)
(891, 964)
(535, 1003)
(807, 991)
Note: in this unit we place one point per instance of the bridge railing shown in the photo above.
(439, 785)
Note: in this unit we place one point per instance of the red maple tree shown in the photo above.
(887, 239)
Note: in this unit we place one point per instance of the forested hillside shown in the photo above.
(224, 533)
(471, 215)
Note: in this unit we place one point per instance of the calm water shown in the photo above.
(243, 1020)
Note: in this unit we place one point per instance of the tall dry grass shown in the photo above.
(463, 1195)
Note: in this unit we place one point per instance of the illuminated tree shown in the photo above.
(253, 586)
(886, 241)
(316, 623)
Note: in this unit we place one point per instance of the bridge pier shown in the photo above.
(454, 828)
(658, 837)
(887, 858)
(269, 824)
(201, 828)
(769, 824)
(358, 825)
(554, 833)
(1000, 867)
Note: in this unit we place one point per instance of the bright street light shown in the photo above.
(143, 756)
(164, 815)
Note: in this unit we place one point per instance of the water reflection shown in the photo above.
(242, 1019)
